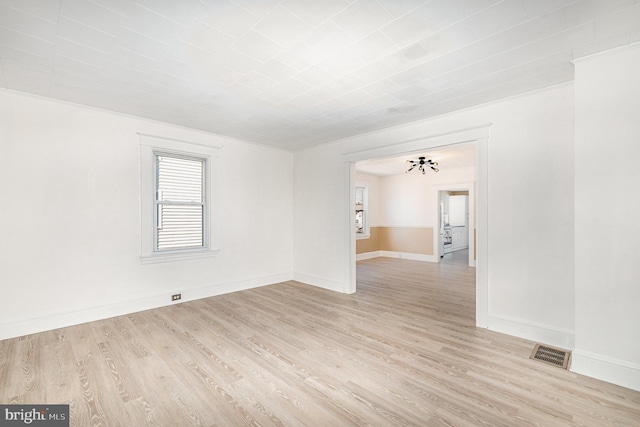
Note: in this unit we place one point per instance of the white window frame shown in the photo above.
(366, 231)
(157, 202)
(150, 146)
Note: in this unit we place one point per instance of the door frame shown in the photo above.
(480, 135)
(470, 188)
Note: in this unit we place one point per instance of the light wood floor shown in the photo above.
(403, 350)
(456, 257)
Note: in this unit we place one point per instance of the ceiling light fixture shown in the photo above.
(422, 164)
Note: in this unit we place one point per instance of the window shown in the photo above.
(180, 203)
(362, 226)
(178, 199)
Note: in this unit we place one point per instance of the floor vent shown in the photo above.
(551, 355)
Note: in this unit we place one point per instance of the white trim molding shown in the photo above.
(481, 239)
(178, 256)
(323, 283)
(392, 254)
(407, 255)
(607, 369)
(459, 136)
(537, 332)
(368, 255)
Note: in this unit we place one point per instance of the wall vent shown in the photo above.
(551, 355)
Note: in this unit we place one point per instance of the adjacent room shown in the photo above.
(426, 213)
(341, 212)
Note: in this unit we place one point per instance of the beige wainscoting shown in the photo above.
(372, 244)
(411, 240)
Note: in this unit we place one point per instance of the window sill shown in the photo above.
(177, 256)
(363, 236)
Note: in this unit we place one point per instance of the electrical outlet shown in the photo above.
(176, 297)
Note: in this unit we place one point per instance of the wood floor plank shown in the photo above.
(402, 350)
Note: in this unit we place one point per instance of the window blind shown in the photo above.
(180, 203)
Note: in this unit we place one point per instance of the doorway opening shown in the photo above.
(453, 220)
(456, 224)
(476, 186)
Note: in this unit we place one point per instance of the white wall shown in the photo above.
(409, 199)
(322, 217)
(530, 199)
(607, 227)
(70, 217)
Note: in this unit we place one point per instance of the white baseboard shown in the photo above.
(368, 255)
(391, 254)
(405, 255)
(532, 331)
(21, 327)
(619, 372)
(320, 282)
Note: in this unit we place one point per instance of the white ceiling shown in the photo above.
(452, 157)
(296, 73)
